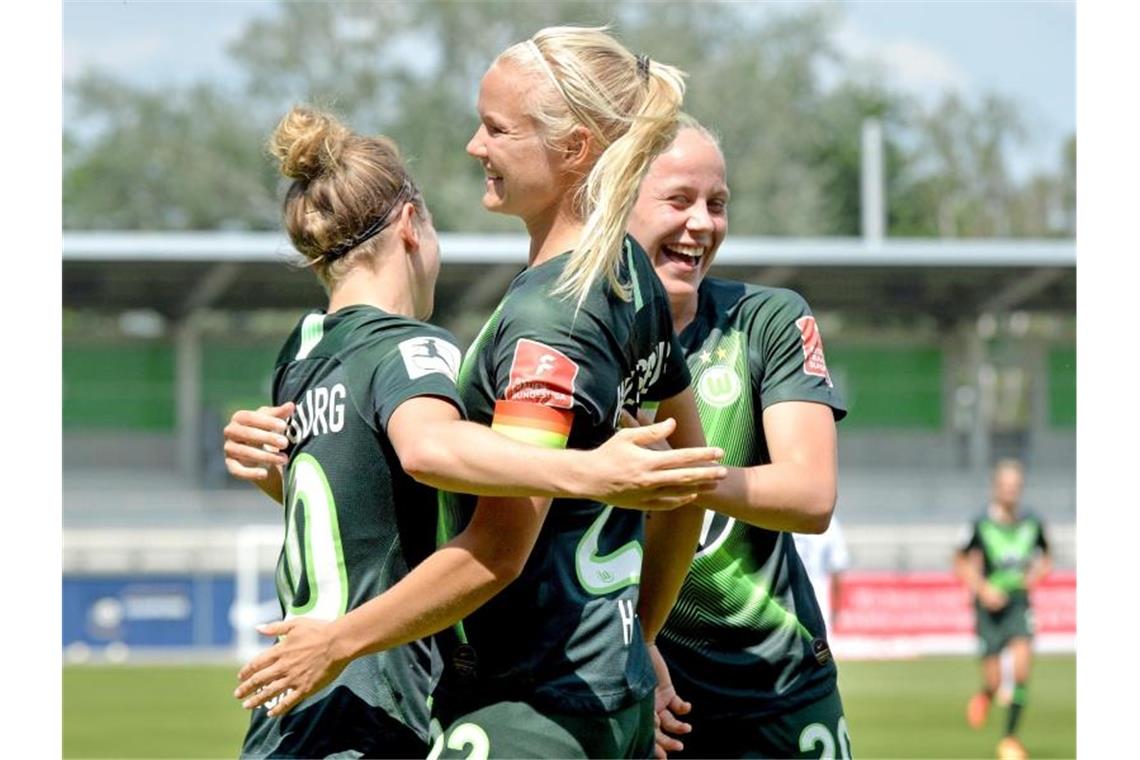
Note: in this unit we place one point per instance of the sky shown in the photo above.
(1023, 50)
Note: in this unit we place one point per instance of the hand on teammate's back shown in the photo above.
(254, 441)
(664, 478)
(300, 664)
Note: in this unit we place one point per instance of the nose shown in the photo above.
(699, 220)
(475, 146)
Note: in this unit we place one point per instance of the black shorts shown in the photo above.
(997, 629)
(518, 729)
(815, 730)
(340, 723)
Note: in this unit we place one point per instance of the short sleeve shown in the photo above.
(970, 539)
(1042, 541)
(422, 361)
(785, 340)
(545, 354)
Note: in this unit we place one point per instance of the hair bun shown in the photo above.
(307, 142)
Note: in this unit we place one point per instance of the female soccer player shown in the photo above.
(555, 665)
(746, 641)
(372, 394)
(1006, 555)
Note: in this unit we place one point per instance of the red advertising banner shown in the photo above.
(935, 606)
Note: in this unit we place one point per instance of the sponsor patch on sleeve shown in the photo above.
(541, 375)
(814, 363)
(425, 355)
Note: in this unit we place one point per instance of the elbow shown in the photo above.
(504, 567)
(818, 511)
(423, 460)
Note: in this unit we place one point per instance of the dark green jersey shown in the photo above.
(746, 636)
(355, 521)
(1007, 548)
(564, 635)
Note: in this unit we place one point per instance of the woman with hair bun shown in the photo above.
(368, 419)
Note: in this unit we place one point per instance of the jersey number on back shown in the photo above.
(312, 550)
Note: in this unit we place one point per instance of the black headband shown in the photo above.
(407, 190)
(643, 67)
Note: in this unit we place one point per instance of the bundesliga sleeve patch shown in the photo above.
(541, 375)
(814, 363)
(532, 423)
(425, 355)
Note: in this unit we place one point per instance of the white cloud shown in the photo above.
(916, 67)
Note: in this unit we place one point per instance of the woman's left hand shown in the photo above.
(299, 665)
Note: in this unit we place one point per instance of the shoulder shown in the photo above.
(761, 299)
(379, 338)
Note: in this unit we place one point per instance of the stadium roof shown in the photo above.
(176, 273)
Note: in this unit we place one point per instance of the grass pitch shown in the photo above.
(896, 709)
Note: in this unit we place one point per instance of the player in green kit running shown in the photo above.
(556, 664)
(371, 394)
(1005, 556)
(745, 643)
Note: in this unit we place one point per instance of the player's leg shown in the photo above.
(1022, 660)
(1018, 630)
(991, 640)
(1005, 690)
(978, 708)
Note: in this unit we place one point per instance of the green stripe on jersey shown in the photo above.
(312, 330)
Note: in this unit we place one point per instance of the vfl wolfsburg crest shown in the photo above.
(719, 386)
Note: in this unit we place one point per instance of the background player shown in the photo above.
(1006, 555)
(555, 665)
(746, 640)
(372, 389)
(825, 557)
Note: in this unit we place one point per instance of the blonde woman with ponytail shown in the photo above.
(367, 419)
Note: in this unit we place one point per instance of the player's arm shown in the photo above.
(253, 442)
(1042, 564)
(436, 447)
(670, 537)
(443, 589)
(796, 492)
(969, 569)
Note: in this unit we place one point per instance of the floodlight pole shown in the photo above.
(872, 194)
(188, 394)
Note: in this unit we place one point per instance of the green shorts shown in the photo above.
(816, 730)
(518, 729)
(996, 629)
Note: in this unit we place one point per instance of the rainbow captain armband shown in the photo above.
(536, 424)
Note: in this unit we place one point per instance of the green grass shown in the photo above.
(917, 709)
(903, 709)
(151, 711)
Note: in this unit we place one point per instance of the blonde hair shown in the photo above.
(630, 106)
(346, 187)
(687, 121)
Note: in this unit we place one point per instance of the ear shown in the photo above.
(579, 151)
(406, 227)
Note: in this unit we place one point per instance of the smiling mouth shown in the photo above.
(685, 255)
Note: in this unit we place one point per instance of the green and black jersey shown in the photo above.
(1007, 549)
(564, 635)
(355, 521)
(746, 636)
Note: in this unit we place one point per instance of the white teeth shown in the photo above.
(692, 251)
